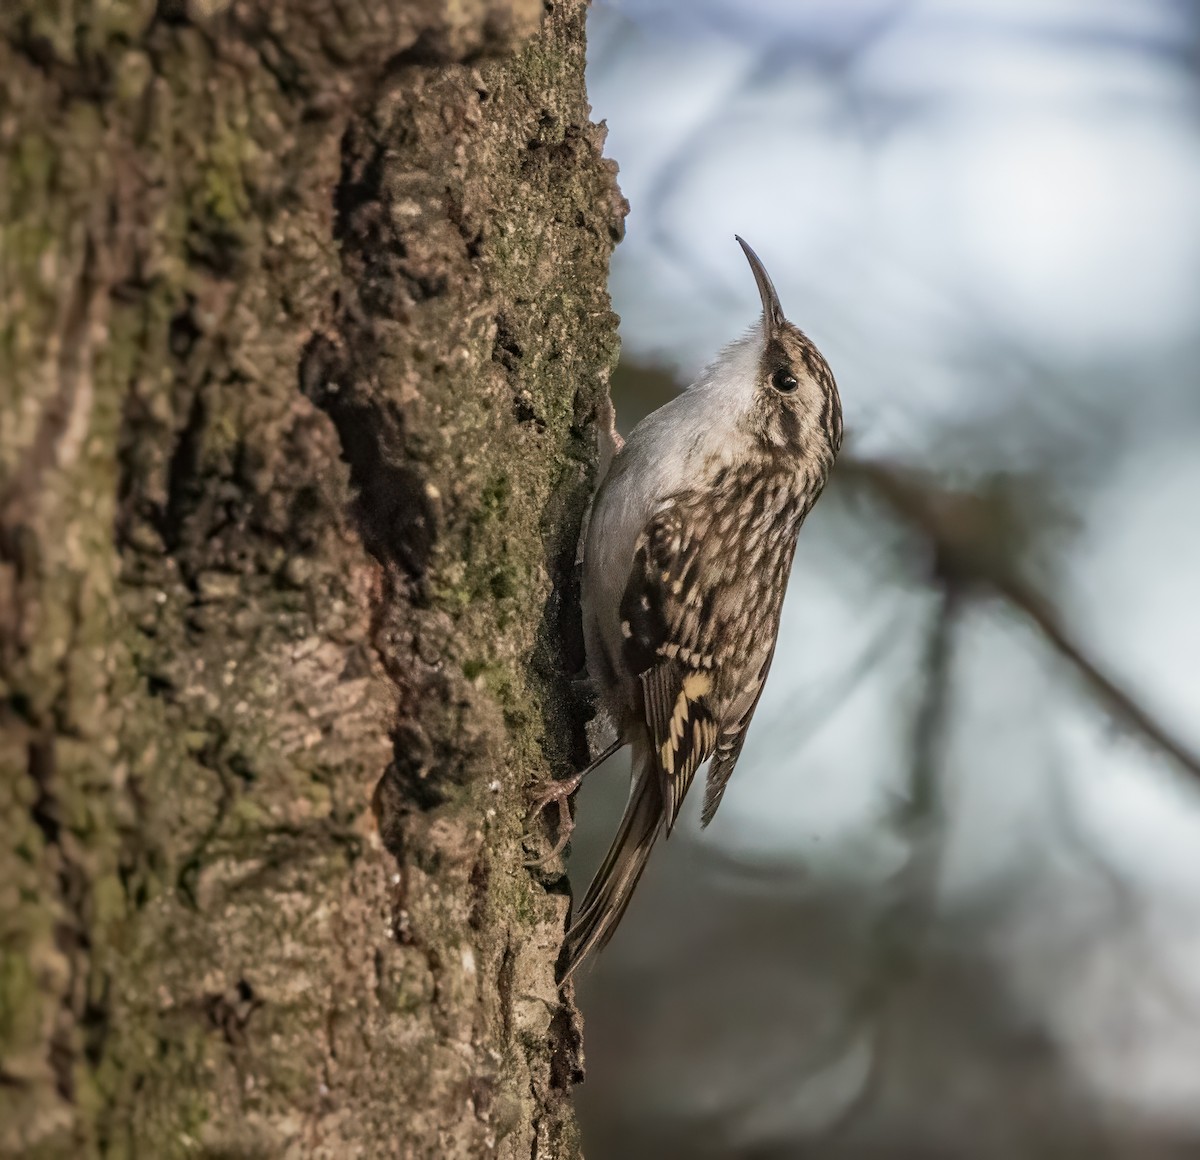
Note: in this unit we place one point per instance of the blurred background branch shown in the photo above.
(971, 534)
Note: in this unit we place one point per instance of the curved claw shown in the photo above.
(556, 792)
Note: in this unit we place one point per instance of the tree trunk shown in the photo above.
(304, 340)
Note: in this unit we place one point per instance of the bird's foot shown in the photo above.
(555, 793)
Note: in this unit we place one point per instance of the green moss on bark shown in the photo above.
(303, 329)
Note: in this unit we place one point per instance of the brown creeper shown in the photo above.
(685, 563)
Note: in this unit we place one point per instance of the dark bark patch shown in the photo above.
(183, 484)
(505, 981)
(393, 506)
(566, 1053)
(230, 1011)
(507, 350)
(478, 881)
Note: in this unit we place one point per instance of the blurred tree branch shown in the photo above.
(909, 905)
(971, 533)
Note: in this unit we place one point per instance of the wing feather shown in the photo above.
(729, 748)
(682, 727)
(663, 646)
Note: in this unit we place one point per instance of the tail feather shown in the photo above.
(613, 884)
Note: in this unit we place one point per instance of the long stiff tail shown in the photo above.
(613, 884)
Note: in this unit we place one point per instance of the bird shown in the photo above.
(686, 558)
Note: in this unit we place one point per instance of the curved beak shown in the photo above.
(772, 311)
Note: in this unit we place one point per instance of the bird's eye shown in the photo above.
(784, 381)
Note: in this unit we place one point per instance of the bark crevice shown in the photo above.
(286, 570)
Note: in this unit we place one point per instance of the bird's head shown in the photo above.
(790, 401)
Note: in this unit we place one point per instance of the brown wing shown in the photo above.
(729, 749)
(664, 644)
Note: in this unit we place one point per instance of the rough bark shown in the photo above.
(303, 334)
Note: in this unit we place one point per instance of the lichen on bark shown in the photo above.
(303, 333)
